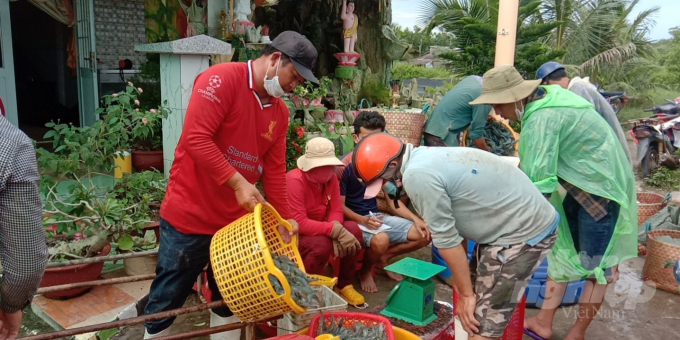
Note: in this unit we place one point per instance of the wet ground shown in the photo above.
(632, 309)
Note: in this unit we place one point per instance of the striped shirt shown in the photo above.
(23, 249)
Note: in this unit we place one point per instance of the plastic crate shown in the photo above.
(535, 292)
(293, 322)
(437, 259)
(349, 320)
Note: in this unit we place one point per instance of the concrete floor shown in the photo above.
(632, 309)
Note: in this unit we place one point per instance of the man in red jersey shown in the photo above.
(234, 134)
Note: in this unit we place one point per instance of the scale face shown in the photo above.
(412, 300)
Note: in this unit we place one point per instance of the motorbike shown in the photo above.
(658, 139)
(616, 99)
(671, 107)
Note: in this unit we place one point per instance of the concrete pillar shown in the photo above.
(507, 32)
(181, 62)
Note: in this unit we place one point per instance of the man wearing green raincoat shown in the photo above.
(566, 142)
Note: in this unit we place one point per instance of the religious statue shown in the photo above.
(242, 10)
(196, 17)
(224, 25)
(350, 22)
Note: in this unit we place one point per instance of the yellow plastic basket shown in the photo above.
(241, 258)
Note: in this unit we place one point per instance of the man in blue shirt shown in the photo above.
(407, 232)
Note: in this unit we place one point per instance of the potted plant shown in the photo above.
(340, 134)
(345, 102)
(147, 190)
(82, 216)
(307, 97)
(144, 126)
(81, 224)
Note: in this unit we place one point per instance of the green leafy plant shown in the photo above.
(403, 71)
(375, 92)
(665, 178)
(295, 143)
(149, 78)
(341, 135)
(82, 210)
(145, 126)
(83, 221)
(307, 97)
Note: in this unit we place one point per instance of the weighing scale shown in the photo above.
(412, 300)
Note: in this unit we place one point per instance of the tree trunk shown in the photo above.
(320, 22)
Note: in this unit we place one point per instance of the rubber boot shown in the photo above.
(157, 335)
(216, 320)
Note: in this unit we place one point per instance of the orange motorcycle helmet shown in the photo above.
(373, 154)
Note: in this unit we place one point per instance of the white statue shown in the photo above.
(350, 23)
(242, 10)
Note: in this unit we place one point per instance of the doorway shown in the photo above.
(46, 89)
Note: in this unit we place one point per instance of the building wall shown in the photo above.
(119, 26)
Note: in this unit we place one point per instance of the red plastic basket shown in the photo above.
(515, 328)
(350, 318)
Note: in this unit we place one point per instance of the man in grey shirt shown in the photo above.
(469, 193)
(23, 249)
(553, 72)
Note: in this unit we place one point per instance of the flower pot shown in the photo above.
(147, 160)
(73, 274)
(142, 265)
(155, 226)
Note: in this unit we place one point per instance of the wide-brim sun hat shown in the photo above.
(503, 85)
(319, 152)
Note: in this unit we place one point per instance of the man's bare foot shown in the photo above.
(535, 326)
(391, 275)
(367, 283)
(575, 335)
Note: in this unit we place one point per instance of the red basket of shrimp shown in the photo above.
(348, 323)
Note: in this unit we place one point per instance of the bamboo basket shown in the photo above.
(655, 272)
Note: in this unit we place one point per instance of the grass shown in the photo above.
(665, 178)
(635, 109)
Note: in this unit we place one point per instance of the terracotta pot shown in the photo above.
(147, 160)
(73, 274)
(140, 265)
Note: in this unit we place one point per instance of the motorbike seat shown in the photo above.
(612, 93)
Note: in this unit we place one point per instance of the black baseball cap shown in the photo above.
(300, 50)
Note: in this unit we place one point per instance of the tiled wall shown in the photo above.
(119, 26)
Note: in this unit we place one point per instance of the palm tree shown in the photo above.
(598, 34)
(474, 25)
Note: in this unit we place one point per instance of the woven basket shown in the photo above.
(406, 125)
(649, 204)
(658, 254)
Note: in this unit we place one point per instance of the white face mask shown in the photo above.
(520, 113)
(272, 86)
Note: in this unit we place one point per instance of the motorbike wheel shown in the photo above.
(650, 162)
(616, 106)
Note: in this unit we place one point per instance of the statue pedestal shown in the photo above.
(181, 62)
(347, 59)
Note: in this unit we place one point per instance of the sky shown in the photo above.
(407, 14)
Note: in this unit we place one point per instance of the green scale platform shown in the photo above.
(412, 300)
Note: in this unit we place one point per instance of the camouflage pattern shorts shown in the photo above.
(500, 275)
